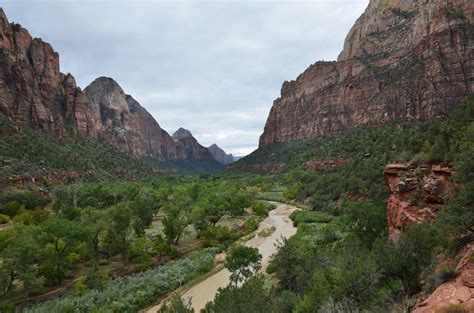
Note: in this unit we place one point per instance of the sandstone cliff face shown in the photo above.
(220, 155)
(402, 60)
(187, 147)
(459, 292)
(33, 91)
(417, 194)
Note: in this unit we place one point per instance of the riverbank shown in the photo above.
(204, 291)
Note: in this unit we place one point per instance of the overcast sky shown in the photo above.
(212, 67)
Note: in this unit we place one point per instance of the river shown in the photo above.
(205, 290)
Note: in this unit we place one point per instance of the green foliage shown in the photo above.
(18, 254)
(412, 254)
(261, 208)
(299, 217)
(250, 297)
(368, 221)
(4, 219)
(242, 262)
(129, 294)
(219, 236)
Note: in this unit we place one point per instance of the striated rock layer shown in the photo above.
(402, 60)
(416, 194)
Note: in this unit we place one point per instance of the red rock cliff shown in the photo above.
(409, 60)
(34, 91)
(416, 194)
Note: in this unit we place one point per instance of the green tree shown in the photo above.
(143, 209)
(250, 297)
(118, 227)
(242, 262)
(94, 226)
(17, 260)
(60, 237)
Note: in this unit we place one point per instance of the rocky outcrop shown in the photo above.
(187, 147)
(417, 193)
(402, 60)
(220, 155)
(458, 293)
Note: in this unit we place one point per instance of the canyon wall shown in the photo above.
(402, 60)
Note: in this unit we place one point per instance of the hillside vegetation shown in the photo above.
(340, 260)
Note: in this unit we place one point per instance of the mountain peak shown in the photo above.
(182, 133)
(220, 155)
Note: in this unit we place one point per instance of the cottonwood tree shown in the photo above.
(243, 262)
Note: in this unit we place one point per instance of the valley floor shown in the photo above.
(204, 291)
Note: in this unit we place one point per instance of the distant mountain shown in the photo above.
(187, 147)
(220, 154)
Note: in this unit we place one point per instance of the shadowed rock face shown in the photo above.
(402, 60)
(34, 91)
(220, 154)
(187, 147)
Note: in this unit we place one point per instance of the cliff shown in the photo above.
(187, 147)
(220, 155)
(416, 194)
(402, 60)
(124, 123)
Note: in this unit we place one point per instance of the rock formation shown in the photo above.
(458, 293)
(124, 123)
(187, 147)
(416, 194)
(402, 60)
(220, 155)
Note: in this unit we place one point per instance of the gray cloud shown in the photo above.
(213, 67)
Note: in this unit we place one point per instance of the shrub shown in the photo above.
(299, 217)
(261, 208)
(215, 236)
(4, 219)
(129, 294)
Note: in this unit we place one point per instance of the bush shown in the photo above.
(299, 217)
(216, 236)
(262, 208)
(251, 225)
(4, 219)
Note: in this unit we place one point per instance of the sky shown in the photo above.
(213, 67)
